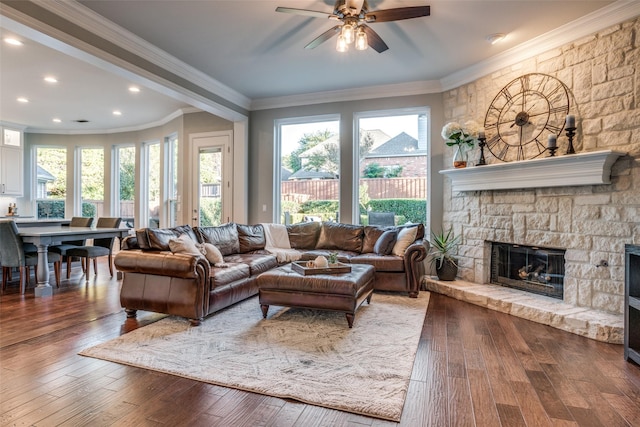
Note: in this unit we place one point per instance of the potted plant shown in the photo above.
(443, 245)
(463, 137)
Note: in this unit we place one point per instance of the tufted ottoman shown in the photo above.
(338, 292)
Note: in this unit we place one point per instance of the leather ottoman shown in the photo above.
(337, 292)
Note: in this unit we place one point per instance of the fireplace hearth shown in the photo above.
(529, 268)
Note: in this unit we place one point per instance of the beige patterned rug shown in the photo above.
(308, 355)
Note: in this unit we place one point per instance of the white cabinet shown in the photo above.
(11, 163)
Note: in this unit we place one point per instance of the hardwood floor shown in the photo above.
(473, 367)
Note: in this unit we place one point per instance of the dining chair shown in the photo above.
(13, 255)
(76, 221)
(381, 218)
(100, 247)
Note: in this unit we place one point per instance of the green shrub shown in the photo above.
(405, 210)
(210, 212)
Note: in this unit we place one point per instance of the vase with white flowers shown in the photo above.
(463, 137)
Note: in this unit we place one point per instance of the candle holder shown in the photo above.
(571, 132)
(552, 151)
(482, 143)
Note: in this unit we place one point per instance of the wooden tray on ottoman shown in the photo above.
(301, 268)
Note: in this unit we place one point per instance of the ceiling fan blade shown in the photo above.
(374, 39)
(323, 37)
(397, 14)
(304, 12)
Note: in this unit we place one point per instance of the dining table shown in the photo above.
(44, 236)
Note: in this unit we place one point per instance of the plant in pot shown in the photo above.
(443, 245)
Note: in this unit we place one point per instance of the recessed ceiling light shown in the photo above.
(12, 41)
(57, 120)
(117, 112)
(50, 79)
(23, 99)
(496, 38)
(134, 89)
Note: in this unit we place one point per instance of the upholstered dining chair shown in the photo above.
(13, 255)
(76, 221)
(101, 247)
(384, 219)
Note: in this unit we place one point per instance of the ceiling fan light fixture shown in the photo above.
(348, 33)
(342, 45)
(361, 40)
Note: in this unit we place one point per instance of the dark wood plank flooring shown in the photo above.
(474, 367)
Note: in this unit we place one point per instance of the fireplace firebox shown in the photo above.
(529, 268)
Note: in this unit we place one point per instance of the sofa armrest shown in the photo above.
(413, 265)
(161, 264)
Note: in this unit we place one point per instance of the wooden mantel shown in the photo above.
(588, 168)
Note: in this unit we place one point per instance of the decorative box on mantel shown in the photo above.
(587, 168)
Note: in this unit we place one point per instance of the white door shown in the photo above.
(212, 189)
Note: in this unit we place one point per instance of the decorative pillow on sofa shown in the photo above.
(184, 245)
(386, 242)
(406, 237)
(214, 256)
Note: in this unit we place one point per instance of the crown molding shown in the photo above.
(354, 94)
(608, 16)
(178, 113)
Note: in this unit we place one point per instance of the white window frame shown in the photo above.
(277, 153)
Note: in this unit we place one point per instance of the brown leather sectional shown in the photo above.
(155, 279)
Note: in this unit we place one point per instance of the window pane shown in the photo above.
(51, 182)
(310, 165)
(210, 177)
(393, 169)
(172, 178)
(153, 196)
(92, 182)
(127, 184)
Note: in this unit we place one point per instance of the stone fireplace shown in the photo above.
(528, 268)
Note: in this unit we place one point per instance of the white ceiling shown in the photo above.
(259, 53)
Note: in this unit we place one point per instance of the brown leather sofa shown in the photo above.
(355, 244)
(155, 279)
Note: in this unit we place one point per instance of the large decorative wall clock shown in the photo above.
(523, 114)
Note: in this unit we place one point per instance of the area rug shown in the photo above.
(308, 355)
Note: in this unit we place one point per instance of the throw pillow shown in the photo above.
(385, 243)
(214, 256)
(184, 245)
(406, 236)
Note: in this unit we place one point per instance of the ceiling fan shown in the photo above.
(354, 16)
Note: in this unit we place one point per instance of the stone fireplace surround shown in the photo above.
(561, 217)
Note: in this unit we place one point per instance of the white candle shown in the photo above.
(481, 134)
(551, 142)
(571, 121)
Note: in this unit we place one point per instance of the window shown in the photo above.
(92, 182)
(307, 169)
(125, 183)
(151, 184)
(391, 160)
(172, 180)
(51, 182)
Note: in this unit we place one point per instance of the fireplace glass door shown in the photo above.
(529, 268)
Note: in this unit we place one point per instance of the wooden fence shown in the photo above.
(377, 188)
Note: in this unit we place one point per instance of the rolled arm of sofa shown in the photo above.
(158, 263)
(413, 265)
(163, 282)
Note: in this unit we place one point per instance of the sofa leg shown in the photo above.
(413, 294)
(195, 322)
(265, 310)
(130, 313)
